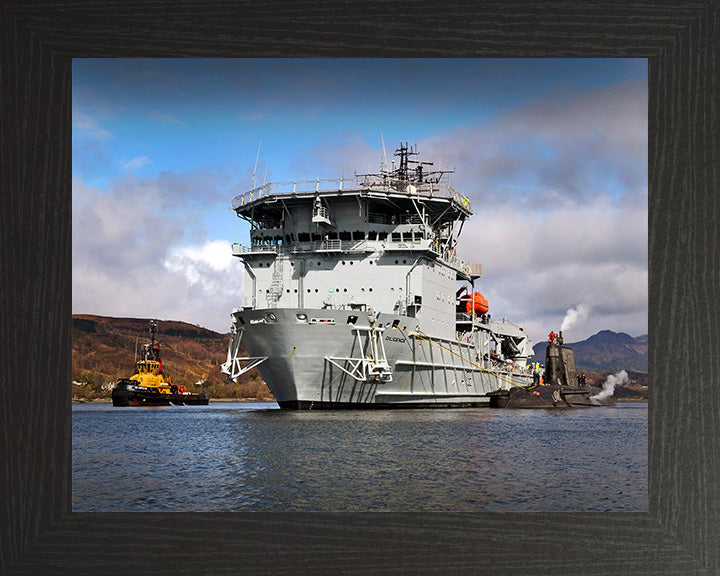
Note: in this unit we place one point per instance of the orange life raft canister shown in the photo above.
(478, 301)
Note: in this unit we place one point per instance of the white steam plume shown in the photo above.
(609, 385)
(575, 316)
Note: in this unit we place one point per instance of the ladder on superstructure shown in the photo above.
(276, 286)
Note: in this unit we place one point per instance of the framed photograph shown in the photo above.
(676, 533)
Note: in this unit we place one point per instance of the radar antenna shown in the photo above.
(403, 175)
(404, 152)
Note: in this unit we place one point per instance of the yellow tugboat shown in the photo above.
(149, 386)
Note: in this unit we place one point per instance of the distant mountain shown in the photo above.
(606, 350)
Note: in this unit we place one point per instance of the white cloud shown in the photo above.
(129, 259)
(136, 163)
(208, 266)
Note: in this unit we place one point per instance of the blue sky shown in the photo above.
(160, 146)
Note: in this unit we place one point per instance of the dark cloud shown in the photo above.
(566, 149)
(537, 266)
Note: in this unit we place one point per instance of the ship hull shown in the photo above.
(129, 397)
(449, 403)
(312, 363)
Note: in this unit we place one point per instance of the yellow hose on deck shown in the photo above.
(465, 359)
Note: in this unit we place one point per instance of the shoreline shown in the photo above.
(109, 400)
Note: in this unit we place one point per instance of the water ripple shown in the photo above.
(252, 456)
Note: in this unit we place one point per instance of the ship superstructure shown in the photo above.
(354, 295)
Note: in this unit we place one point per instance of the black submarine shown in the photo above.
(558, 386)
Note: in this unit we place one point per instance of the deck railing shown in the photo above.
(239, 249)
(430, 189)
(469, 268)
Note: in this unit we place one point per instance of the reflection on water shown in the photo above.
(252, 456)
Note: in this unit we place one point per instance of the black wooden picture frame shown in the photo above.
(38, 532)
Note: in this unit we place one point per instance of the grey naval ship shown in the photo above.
(351, 296)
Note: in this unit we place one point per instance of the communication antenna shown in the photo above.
(256, 163)
(384, 153)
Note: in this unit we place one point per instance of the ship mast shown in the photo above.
(403, 175)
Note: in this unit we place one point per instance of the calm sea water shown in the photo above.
(253, 456)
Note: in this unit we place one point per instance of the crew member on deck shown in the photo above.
(552, 336)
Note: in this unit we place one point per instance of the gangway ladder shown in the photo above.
(371, 365)
(276, 286)
(235, 365)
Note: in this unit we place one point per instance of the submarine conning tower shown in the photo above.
(559, 363)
